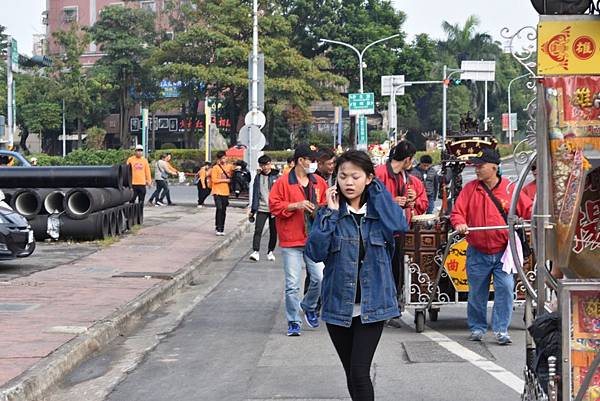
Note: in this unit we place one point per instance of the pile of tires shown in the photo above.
(90, 203)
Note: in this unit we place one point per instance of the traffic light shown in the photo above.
(455, 81)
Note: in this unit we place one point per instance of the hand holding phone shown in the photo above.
(333, 201)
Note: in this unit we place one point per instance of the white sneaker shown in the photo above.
(271, 257)
(220, 234)
(255, 256)
(199, 206)
(159, 203)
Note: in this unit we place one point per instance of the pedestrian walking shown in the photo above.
(221, 177)
(259, 211)
(204, 183)
(140, 175)
(293, 201)
(168, 169)
(485, 202)
(354, 236)
(326, 166)
(409, 193)
(160, 175)
(429, 177)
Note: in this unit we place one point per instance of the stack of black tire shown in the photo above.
(91, 202)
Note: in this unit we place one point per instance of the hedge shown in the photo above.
(184, 159)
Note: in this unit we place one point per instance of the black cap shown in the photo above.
(486, 155)
(304, 151)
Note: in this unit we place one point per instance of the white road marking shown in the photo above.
(494, 370)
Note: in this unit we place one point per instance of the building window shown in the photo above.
(148, 5)
(70, 14)
(169, 35)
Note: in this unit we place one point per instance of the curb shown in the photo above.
(34, 382)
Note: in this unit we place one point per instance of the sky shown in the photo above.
(23, 18)
(427, 15)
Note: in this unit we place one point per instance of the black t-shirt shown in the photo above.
(306, 191)
(361, 254)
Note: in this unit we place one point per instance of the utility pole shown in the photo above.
(11, 52)
(510, 128)
(360, 55)
(64, 131)
(444, 103)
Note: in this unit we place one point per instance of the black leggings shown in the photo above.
(356, 346)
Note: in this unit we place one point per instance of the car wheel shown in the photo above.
(28, 250)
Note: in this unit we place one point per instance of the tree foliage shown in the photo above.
(127, 37)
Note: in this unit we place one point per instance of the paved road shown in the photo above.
(231, 346)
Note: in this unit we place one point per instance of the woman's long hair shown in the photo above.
(361, 160)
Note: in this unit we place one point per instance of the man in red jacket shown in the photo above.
(476, 207)
(294, 200)
(408, 192)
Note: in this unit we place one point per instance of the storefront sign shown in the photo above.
(569, 47)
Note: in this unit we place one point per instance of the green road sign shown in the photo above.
(362, 131)
(14, 55)
(361, 103)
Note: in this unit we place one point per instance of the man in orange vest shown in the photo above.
(204, 183)
(140, 174)
(221, 177)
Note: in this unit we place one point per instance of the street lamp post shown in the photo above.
(359, 53)
(509, 106)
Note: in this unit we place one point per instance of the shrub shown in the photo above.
(95, 138)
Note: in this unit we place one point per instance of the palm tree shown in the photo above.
(465, 43)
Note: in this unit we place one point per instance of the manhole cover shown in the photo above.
(14, 308)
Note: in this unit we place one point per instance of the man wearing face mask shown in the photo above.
(294, 200)
(409, 193)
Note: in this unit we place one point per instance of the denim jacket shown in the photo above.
(334, 240)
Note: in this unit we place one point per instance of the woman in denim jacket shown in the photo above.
(354, 237)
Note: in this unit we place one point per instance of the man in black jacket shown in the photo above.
(259, 210)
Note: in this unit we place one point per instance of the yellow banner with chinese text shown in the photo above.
(569, 47)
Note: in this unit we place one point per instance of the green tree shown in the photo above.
(3, 41)
(127, 37)
(211, 60)
(38, 108)
(75, 89)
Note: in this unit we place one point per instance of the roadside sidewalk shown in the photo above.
(51, 320)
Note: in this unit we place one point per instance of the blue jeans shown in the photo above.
(293, 258)
(480, 268)
(431, 204)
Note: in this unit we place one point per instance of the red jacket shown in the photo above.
(386, 176)
(530, 189)
(475, 208)
(291, 225)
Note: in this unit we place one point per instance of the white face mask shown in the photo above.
(311, 169)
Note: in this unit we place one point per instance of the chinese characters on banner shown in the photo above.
(584, 340)
(586, 246)
(573, 106)
(568, 47)
(167, 124)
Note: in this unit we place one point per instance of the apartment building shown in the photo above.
(60, 14)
